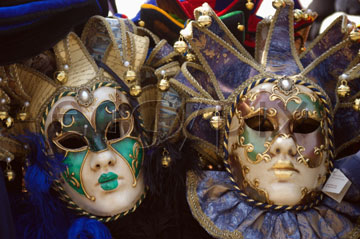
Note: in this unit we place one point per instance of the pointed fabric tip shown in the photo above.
(334, 34)
(219, 28)
(281, 57)
(226, 66)
(330, 65)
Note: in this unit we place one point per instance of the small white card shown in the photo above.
(337, 185)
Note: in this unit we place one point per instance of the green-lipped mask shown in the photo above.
(102, 152)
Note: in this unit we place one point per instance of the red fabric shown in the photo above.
(188, 6)
(252, 23)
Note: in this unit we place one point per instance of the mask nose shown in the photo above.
(102, 160)
(284, 145)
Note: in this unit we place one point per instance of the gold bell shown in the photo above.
(180, 46)
(130, 76)
(216, 121)
(298, 15)
(278, 4)
(166, 159)
(204, 20)
(164, 84)
(135, 90)
(240, 27)
(22, 116)
(3, 115)
(10, 174)
(141, 23)
(343, 90)
(355, 36)
(61, 77)
(356, 105)
(9, 122)
(249, 5)
(190, 57)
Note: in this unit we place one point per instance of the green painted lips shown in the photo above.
(108, 181)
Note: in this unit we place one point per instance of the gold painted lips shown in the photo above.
(284, 169)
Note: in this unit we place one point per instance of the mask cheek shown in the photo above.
(254, 142)
(72, 174)
(313, 147)
(132, 151)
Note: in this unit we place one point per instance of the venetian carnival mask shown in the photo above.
(269, 121)
(278, 143)
(96, 120)
(102, 151)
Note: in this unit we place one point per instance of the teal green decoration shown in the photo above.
(130, 149)
(73, 162)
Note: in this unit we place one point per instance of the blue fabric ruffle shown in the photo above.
(223, 212)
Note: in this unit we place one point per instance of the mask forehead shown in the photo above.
(68, 102)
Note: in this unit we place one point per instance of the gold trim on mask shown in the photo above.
(61, 136)
(71, 178)
(135, 162)
(274, 96)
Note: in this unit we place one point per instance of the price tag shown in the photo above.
(337, 185)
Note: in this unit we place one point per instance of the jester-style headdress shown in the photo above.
(114, 54)
(226, 71)
(231, 97)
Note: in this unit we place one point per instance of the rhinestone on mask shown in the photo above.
(286, 85)
(84, 97)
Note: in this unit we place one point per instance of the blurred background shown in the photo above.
(131, 8)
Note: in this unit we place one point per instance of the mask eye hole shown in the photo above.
(305, 126)
(118, 129)
(71, 141)
(259, 123)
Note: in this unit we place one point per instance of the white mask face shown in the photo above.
(278, 144)
(103, 153)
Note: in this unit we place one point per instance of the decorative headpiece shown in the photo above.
(102, 102)
(222, 93)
